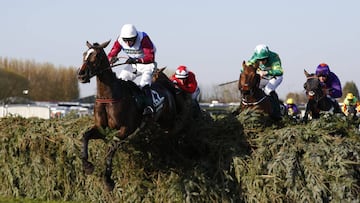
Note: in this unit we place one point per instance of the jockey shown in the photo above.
(350, 100)
(331, 84)
(141, 52)
(291, 107)
(270, 69)
(186, 81)
(330, 81)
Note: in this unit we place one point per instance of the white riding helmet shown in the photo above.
(128, 31)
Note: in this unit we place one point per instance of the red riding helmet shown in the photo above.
(181, 72)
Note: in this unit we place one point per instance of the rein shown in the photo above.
(243, 101)
(107, 101)
(110, 67)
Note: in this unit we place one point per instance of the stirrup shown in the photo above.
(148, 111)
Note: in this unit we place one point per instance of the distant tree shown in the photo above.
(299, 98)
(12, 84)
(45, 81)
(350, 87)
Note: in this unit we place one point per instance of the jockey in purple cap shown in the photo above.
(331, 84)
(330, 81)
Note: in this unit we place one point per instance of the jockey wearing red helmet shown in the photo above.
(186, 81)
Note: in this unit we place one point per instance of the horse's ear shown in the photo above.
(88, 44)
(162, 69)
(105, 44)
(306, 73)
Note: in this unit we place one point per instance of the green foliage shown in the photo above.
(246, 158)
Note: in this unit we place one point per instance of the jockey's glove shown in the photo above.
(132, 61)
(113, 60)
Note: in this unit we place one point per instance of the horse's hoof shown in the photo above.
(110, 184)
(88, 167)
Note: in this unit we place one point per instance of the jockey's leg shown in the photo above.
(337, 108)
(146, 71)
(269, 89)
(127, 73)
(149, 109)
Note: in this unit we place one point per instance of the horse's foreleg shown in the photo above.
(306, 114)
(93, 133)
(110, 184)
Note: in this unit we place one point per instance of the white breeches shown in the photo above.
(131, 71)
(270, 85)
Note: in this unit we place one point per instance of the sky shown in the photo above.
(211, 38)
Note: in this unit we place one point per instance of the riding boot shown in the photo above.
(337, 108)
(274, 96)
(276, 101)
(149, 109)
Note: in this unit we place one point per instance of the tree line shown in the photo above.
(37, 81)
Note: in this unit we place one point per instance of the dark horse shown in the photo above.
(119, 105)
(186, 107)
(251, 95)
(317, 99)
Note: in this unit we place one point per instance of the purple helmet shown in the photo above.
(322, 70)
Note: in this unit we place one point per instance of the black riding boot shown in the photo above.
(149, 109)
(276, 101)
(337, 108)
(274, 96)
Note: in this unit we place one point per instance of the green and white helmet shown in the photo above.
(261, 52)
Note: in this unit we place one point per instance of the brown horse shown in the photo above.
(317, 99)
(119, 105)
(251, 95)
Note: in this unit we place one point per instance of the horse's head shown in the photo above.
(249, 79)
(313, 87)
(159, 74)
(94, 60)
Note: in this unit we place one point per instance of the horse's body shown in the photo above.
(251, 95)
(118, 105)
(317, 99)
(187, 108)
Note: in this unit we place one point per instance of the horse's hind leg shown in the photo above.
(110, 184)
(93, 133)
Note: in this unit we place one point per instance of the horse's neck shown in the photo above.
(105, 84)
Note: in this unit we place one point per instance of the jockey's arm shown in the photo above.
(148, 50)
(114, 50)
(276, 69)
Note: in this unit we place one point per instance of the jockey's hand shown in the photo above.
(131, 61)
(262, 73)
(113, 60)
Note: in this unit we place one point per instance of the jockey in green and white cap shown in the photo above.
(270, 68)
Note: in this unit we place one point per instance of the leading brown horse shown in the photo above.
(119, 105)
(251, 95)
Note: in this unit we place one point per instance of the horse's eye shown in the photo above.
(305, 85)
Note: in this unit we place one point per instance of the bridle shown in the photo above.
(314, 94)
(251, 92)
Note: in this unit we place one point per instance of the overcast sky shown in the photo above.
(211, 37)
